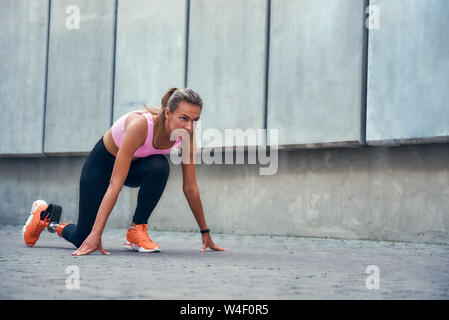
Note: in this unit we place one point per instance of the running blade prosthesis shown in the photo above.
(54, 211)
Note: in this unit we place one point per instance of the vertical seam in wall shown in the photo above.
(267, 60)
(46, 78)
(186, 61)
(364, 90)
(114, 52)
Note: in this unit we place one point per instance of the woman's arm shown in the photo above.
(192, 194)
(189, 185)
(135, 136)
(93, 241)
(193, 198)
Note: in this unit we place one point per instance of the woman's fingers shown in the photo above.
(212, 246)
(78, 251)
(90, 244)
(218, 248)
(82, 252)
(86, 250)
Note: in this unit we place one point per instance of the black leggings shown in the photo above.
(149, 173)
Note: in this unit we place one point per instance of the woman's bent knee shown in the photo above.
(158, 164)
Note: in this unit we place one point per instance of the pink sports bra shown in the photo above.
(147, 149)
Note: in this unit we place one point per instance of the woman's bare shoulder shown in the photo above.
(136, 125)
(137, 119)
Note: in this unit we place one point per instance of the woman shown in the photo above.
(131, 154)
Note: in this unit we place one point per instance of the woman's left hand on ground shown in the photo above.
(208, 243)
(91, 244)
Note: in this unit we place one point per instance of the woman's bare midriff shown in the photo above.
(110, 144)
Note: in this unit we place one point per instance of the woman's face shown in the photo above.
(183, 117)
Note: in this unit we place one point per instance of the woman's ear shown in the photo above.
(167, 113)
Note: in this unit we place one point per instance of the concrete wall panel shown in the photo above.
(226, 63)
(315, 83)
(408, 73)
(150, 54)
(80, 75)
(23, 53)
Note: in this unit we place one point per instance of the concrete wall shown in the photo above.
(23, 55)
(227, 62)
(296, 66)
(80, 76)
(316, 72)
(408, 68)
(309, 69)
(150, 53)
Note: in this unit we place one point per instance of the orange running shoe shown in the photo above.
(137, 239)
(36, 223)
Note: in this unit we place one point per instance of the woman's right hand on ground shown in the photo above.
(91, 244)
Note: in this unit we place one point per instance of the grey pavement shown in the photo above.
(254, 267)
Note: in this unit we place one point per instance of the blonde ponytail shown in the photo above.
(154, 111)
(164, 104)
